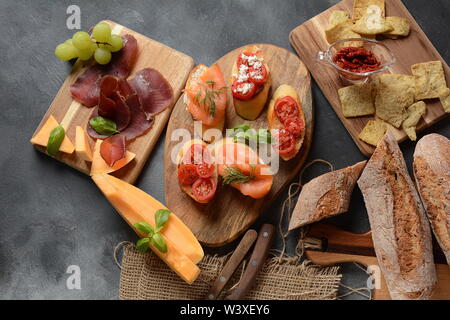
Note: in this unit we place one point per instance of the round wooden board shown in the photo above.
(230, 213)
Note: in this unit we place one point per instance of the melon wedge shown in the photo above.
(82, 146)
(100, 166)
(134, 205)
(41, 137)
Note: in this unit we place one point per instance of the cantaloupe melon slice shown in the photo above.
(82, 146)
(125, 202)
(100, 166)
(41, 137)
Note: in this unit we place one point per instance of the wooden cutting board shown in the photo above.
(343, 247)
(230, 213)
(173, 65)
(309, 38)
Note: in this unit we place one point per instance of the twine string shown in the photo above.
(118, 247)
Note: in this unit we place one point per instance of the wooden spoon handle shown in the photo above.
(256, 262)
(230, 267)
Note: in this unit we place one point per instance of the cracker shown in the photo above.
(371, 24)
(445, 99)
(337, 16)
(373, 132)
(360, 7)
(341, 31)
(395, 92)
(429, 79)
(415, 111)
(357, 100)
(400, 27)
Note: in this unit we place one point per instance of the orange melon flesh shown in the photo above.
(41, 138)
(100, 166)
(127, 204)
(82, 147)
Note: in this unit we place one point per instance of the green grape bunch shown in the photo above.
(83, 46)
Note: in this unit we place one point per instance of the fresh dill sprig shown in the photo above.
(233, 175)
(211, 95)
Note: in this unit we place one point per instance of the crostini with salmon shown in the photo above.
(251, 81)
(206, 98)
(285, 115)
(197, 174)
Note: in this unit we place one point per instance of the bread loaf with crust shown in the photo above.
(400, 230)
(432, 174)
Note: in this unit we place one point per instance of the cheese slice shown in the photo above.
(41, 138)
(82, 147)
(134, 205)
(100, 166)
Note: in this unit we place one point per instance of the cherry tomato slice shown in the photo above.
(286, 107)
(204, 189)
(294, 125)
(205, 170)
(258, 75)
(285, 142)
(243, 90)
(197, 154)
(240, 60)
(187, 174)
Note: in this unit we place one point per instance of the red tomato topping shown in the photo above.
(197, 154)
(204, 189)
(187, 174)
(205, 170)
(258, 76)
(243, 90)
(356, 60)
(240, 60)
(286, 107)
(294, 125)
(285, 142)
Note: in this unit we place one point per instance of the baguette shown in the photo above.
(325, 196)
(401, 235)
(432, 174)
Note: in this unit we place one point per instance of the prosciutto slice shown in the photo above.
(139, 123)
(113, 149)
(86, 89)
(112, 102)
(153, 90)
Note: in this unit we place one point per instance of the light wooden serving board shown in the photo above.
(173, 65)
(230, 213)
(309, 38)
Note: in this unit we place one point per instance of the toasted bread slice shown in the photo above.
(274, 123)
(251, 109)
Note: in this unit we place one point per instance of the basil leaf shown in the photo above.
(55, 140)
(103, 126)
(264, 136)
(142, 244)
(243, 127)
(144, 227)
(159, 243)
(161, 217)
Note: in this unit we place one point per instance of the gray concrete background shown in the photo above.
(52, 216)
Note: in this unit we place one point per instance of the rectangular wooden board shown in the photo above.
(173, 65)
(309, 38)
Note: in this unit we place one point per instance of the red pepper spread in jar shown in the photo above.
(356, 59)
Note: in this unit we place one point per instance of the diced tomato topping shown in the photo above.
(285, 142)
(294, 125)
(258, 75)
(286, 107)
(243, 90)
(187, 174)
(197, 154)
(205, 170)
(204, 189)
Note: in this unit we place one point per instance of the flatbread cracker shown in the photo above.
(373, 132)
(357, 100)
(400, 27)
(337, 16)
(395, 92)
(429, 79)
(341, 31)
(415, 111)
(360, 7)
(445, 99)
(371, 23)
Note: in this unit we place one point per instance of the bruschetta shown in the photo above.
(197, 174)
(285, 115)
(206, 98)
(240, 167)
(251, 81)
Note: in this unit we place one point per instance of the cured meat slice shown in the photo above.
(113, 149)
(112, 104)
(86, 89)
(139, 124)
(153, 90)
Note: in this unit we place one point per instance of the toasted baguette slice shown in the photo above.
(181, 152)
(326, 196)
(251, 109)
(432, 173)
(274, 123)
(400, 230)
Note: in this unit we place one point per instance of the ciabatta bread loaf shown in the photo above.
(432, 173)
(325, 196)
(400, 230)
